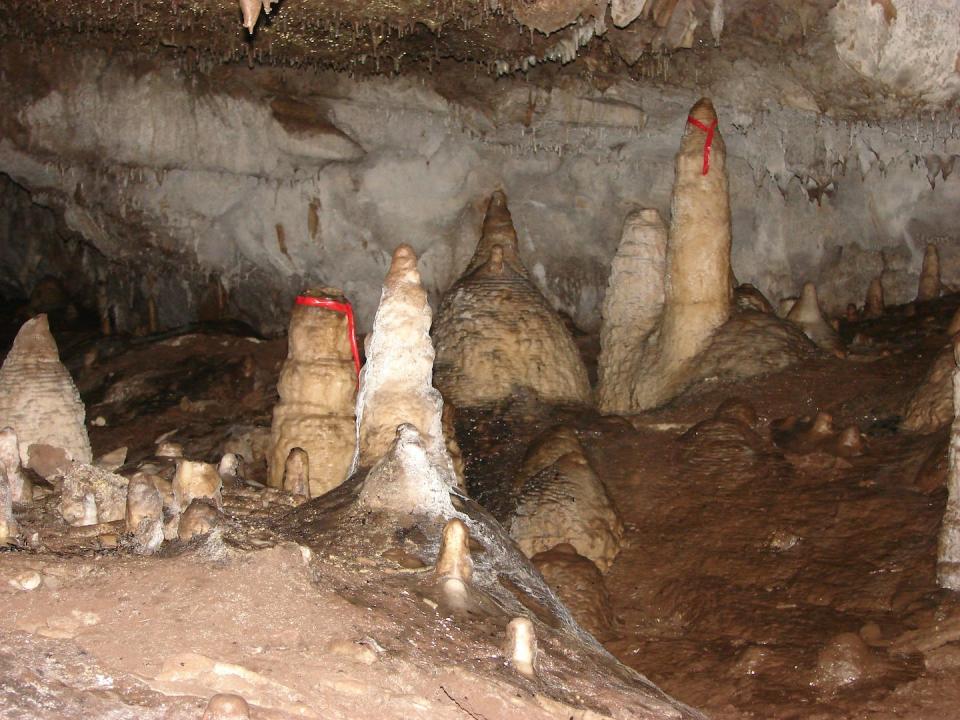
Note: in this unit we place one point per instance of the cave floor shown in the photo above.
(796, 584)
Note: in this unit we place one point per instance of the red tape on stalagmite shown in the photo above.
(708, 129)
(339, 307)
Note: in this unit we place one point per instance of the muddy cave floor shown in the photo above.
(797, 585)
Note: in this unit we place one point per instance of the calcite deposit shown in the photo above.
(928, 287)
(948, 553)
(38, 398)
(317, 387)
(930, 407)
(808, 316)
(90, 495)
(495, 333)
(21, 490)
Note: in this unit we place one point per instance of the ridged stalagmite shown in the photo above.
(873, 307)
(495, 333)
(396, 386)
(317, 387)
(631, 308)
(948, 555)
(38, 398)
(928, 287)
(807, 316)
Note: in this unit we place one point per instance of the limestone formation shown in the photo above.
(631, 308)
(8, 524)
(807, 316)
(565, 502)
(38, 398)
(227, 706)
(196, 480)
(317, 390)
(496, 334)
(580, 586)
(931, 405)
(201, 516)
(296, 473)
(21, 489)
(454, 561)
(521, 647)
(873, 306)
(405, 481)
(928, 287)
(948, 556)
(396, 385)
(90, 495)
(144, 514)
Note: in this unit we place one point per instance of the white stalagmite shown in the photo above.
(948, 555)
(21, 490)
(522, 646)
(396, 385)
(807, 316)
(928, 287)
(38, 398)
(632, 306)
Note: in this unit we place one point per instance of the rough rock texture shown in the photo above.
(928, 287)
(90, 496)
(144, 514)
(566, 503)
(873, 306)
(21, 490)
(396, 385)
(948, 553)
(8, 524)
(580, 585)
(806, 315)
(317, 387)
(931, 405)
(38, 398)
(631, 307)
(196, 480)
(495, 332)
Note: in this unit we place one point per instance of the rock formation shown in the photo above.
(144, 514)
(807, 316)
(8, 525)
(931, 405)
(196, 480)
(580, 586)
(317, 390)
(631, 308)
(873, 306)
(21, 489)
(496, 334)
(296, 473)
(454, 561)
(38, 398)
(565, 502)
(396, 385)
(948, 555)
(200, 517)
(928, 288)
(90, 496)
(521, 646)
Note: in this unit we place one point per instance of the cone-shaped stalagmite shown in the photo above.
(873, 307)
(38, 398)
(948, 556)
(632, 306)
(807, 316)
(317, 389)
(396, 385)
(495, 333)
(929, 286)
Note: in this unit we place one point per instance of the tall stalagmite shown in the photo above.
(928, 288)
(948, 556)
(495, 333)
(396, 385)
(317, 387)
(631, 308)
(38, 398)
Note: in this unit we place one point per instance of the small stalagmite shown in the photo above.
(197, 480)
(144, 515)
(317, 390)
(90, 495)
(454, 561)
(632, 307)
(873, 306)
(521, 646)
(21, 489)
(948, 555)
(38, 398)
(806, 315)
(929, 286)
(296, 473)
(495, 332)
(396, 385)
(201, 516)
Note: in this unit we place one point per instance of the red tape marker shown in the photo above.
(708, 129)
(339, 307)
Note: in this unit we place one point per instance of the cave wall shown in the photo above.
(239, 186)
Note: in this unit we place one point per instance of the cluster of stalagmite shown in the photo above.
(317, 387)
(948, 556)
(39, 400)
(560, 499)
(496, 334)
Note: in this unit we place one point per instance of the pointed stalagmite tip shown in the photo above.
(454, 561)
(403, 267)
(498, 224)
(703, 111)
(34, 339)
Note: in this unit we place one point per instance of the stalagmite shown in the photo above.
(948, 556)
(807, 316)
(90, 495)
(929, 286)
(296, 473)
(21, 489)
(496, 334)
(38, 398)
(873, 307)
(631, 308)
(200, 517)
(8, 525)
(930, 407)
(226, 706)
(144, 514)
(396, 385)
(196, 480)
(521, 646)
(317, 388)
(454, 561)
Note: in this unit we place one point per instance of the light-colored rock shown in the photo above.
(873, 305)
(631, 308)
(928, 287)
(806, 315)
(317, 387)
(227, 706)
(200, 517)
(521, 646)
(144, 514)
(948, 553)
(931, 405)
(454, 561)
(495, 333)
(624, 12)
(196, 480)
(90, 495)
(38, 398)
(296, 473)
(396, 385)
(21, 489)
(8, 524)
(112, 460)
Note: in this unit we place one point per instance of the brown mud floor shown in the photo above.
(772, 582)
